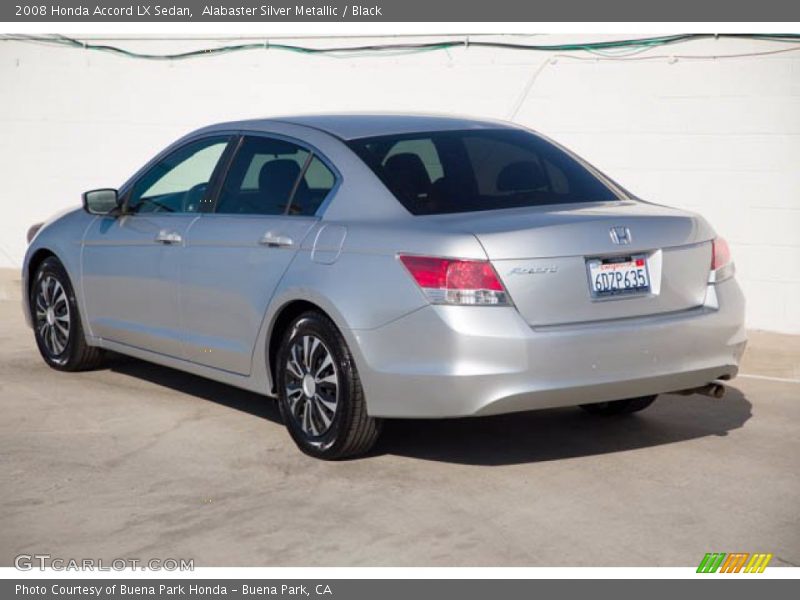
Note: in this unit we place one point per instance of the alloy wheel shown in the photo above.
(52, 315)
(311, 385)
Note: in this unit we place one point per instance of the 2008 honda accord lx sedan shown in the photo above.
(364, 267)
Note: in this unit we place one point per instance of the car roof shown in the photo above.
(350, 126)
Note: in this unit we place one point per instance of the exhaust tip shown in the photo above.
(712, 390)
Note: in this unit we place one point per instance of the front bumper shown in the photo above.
(455, 361)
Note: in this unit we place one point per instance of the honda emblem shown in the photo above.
(620, 235)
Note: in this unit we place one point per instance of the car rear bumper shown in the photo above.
(453, 361)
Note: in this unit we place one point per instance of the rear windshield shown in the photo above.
(463, 171)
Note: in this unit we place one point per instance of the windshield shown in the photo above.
(485, 169)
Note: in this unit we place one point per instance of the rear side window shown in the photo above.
(262, 178)
(464, 171)
(270, 176)
(317, 182)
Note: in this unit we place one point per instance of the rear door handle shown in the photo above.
(168, 237)
(275, 240)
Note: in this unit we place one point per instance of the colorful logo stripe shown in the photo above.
(735, 562)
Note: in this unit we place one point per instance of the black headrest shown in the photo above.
(521, 176)
(408, 170)
(277, 177)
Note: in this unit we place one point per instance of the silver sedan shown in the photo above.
(364, 267)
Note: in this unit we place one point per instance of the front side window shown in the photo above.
(271, 176)
(178, 182)
(464, 171)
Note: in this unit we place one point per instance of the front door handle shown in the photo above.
(275, 240)
(168, 237)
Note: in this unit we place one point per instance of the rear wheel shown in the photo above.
(619, 407)
(319, 391)
(56, 322)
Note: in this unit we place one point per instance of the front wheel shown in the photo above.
(319, 391)
(56, 322)
(619, 407)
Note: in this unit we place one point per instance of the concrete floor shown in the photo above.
(140, 461)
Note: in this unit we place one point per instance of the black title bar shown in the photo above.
(401, 10)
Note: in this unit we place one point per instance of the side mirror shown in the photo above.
(101, 202)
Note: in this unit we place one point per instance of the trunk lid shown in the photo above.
(541, 257)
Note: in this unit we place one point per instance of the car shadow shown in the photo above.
(516, 438)
(554, 434)
(213, 391)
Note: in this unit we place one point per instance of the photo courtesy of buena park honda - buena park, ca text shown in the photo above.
(438, 299)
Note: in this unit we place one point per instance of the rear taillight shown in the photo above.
(456, 281)
(720, 253)
(721, 262)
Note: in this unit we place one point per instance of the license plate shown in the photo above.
(621, 275)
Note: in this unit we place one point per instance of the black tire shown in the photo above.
(619, 407)
(52, 289)
(344, 431)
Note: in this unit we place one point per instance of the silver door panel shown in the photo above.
(130, 279)
(230, 269)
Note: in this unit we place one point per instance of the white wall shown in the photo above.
(718, 137)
